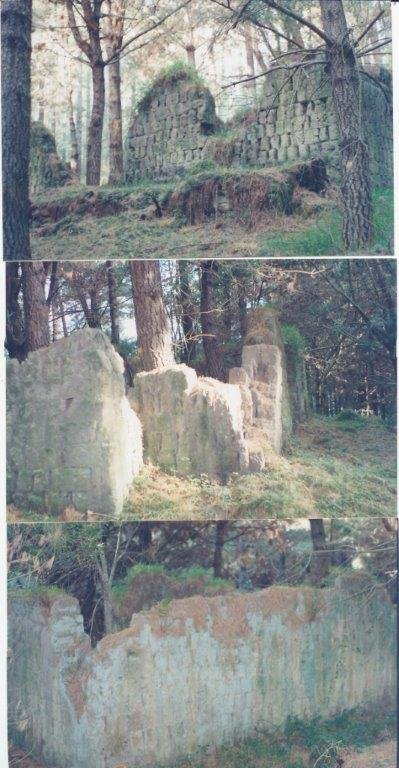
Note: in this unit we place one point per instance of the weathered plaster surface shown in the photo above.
(199, 671)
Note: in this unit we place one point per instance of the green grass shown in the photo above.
(323, 237)
(301, 743)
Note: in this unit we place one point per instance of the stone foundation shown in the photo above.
(200, 672)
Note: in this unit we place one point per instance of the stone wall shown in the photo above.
(72, 438)
(299, 123)
(200, 672)
(198, 425)
(170, 130)
(293, 123)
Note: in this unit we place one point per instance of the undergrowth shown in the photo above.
(248, 230)
(323, 236)
(301, 744)
(332, 467)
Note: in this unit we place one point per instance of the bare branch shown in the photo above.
(298, 65)
(375, 47)
(148, 29)
(369, 26)
(296, 16)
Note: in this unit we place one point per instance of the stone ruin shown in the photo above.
(46, 169)
(72, 438)
(177, 127)
(202, 672)
(75, 439)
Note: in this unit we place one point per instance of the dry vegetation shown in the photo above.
(330, 468)
(122, 222)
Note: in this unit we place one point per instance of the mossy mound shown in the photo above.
(46, 169)
(175, 73)
(245, 192)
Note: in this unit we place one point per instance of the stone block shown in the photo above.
(72, 438)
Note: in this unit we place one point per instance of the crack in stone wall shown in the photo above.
(202, 671)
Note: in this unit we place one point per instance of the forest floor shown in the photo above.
(331, 468)
(381, 755)
(71, 223)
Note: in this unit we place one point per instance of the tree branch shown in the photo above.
(275, 69)
(369, 26)
(149, 29)
(300, 19)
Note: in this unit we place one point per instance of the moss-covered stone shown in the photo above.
(46, 169)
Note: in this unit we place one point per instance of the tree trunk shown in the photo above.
(113, 303)
(115, 122)
(60, 306)
(79, 121)
(190, 51)
(210, 323)
(15, 328)
(153, 332)
(249, 54)
(73, 137)
(16, 27)
(355, 158)
(94, 142)
(187, 310)
(106, 594)
(36, 309)
(221, 530)
(145, 538)
(320, 562)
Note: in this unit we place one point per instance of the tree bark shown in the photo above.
(113, 303)
(94, 141)
(91, 13)
(320, 563)
(106, 594)
(73, 136)
(210, 322)
(355, 158)
(190, 51)
(187, 310)
(15, 327)
(36, 308)
(16, 27)
(153, 332)
(115, 122)
(221, 530)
